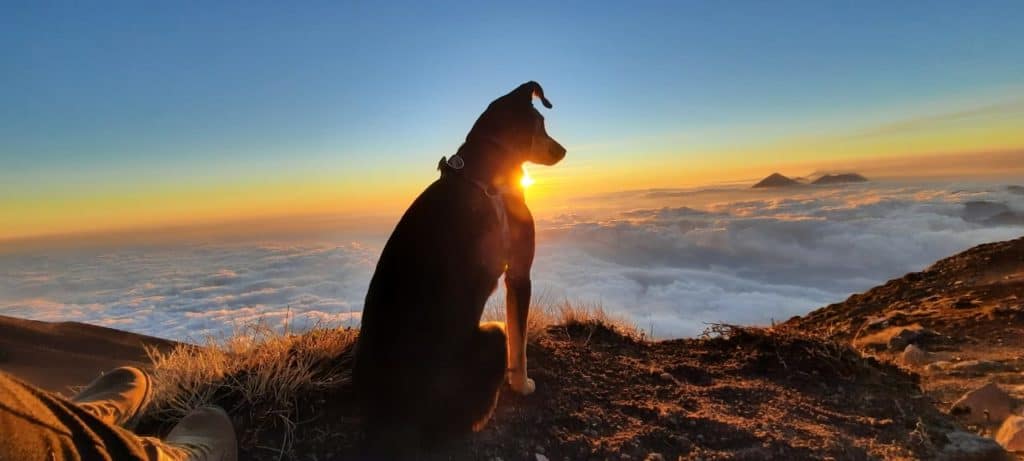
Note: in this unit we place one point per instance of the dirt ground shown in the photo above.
(742, 394)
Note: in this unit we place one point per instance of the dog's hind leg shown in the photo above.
(488, 368)
(471, 383)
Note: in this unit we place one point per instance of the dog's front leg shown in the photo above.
(517, 311)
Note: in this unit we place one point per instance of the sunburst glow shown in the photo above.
(526, 181)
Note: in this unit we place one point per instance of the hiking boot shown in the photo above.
(206, 434)
(118, 397)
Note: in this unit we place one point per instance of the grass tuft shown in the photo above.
(257, 374)
(545, 314)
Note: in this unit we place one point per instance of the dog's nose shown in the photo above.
(557, 151)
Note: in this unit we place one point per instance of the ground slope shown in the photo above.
(59, 356)
(966, 312)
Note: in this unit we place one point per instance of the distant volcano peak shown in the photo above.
(840, 178)
(776, 180)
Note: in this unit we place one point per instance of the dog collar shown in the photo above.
(456, 163)
(496, 195)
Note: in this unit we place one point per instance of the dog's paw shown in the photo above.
(522, 386)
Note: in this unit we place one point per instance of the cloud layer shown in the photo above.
(189, 291)
(761, 256)
(670, 260)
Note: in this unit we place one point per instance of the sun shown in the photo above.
(526, 181)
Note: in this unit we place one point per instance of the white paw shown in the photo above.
(522, 386)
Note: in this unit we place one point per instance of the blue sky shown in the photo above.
(125, 95)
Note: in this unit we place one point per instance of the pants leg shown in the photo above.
(38, 425)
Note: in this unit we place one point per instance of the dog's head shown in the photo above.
(512, 123)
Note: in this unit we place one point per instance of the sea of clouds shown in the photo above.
(669, 260)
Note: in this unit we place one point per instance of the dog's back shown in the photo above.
(422, 310)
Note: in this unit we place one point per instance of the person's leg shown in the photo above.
(35, 424)
(205, 434)
(117, 397)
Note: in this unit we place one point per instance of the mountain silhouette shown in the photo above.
(776, 180)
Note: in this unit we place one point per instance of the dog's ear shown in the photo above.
(530, 89)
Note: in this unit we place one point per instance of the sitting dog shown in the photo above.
(424, 365)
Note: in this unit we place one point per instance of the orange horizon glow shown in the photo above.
(551, 188)
(985, 140)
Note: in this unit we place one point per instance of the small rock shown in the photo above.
(666, 376)
(914, 356)
(540, 449)
(901, 340)
(682, 442)
(986, 404)
(965, 446)
(977, 366)
(758, 453)
(540, 457)
(963, 303)
(654, 457)
(877, 322)
(1011, 434)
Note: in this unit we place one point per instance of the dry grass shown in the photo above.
(257, 368)
(545, 313)
(259, 374)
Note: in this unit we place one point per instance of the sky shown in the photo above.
(136, 114)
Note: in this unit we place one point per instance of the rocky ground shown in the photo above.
(741, 393)
(959, 324)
